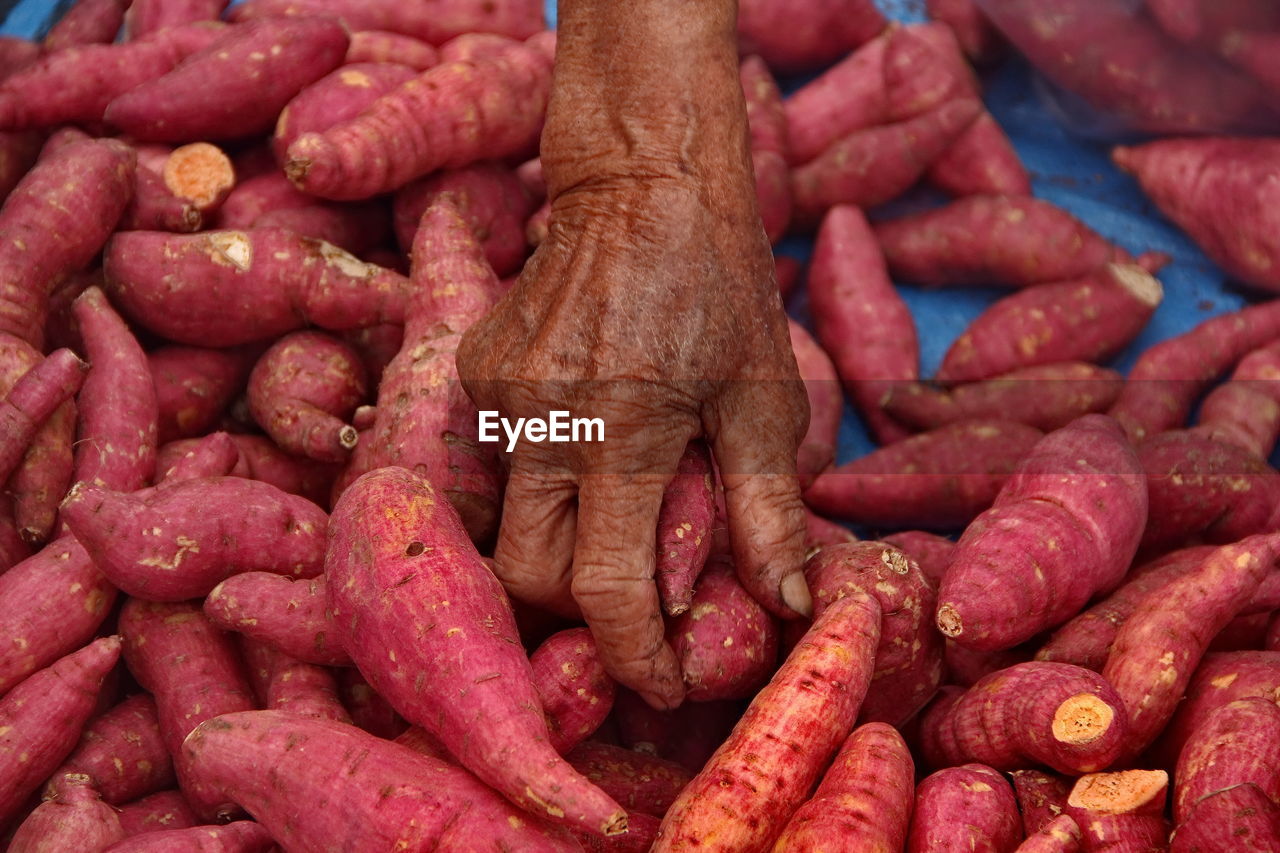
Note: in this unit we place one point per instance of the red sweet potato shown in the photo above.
(303, 390)
(194, 673)
(799, 35)
(1082, 491)
(116, 447)
(1058, 715)
(640, 782)
(472, 47)
(57, 90)
(1245, 411)
(1089, 319)
(155, 208)
(451, 115)
(18, 152)
(87, 22)
(1121, 811)
(256, 195)
(16, 53)
(241, 836)
(303, 689)
(1168, 377)
(390, 522)
(156, 813)
(73, 818)
(1243, 814)
(194, 386)
(258, 67)
(1086, 640)
(434, 24)
(13, 548)
(872, 166)
(369, 710)
(1042, 797)
(684, 528)
(277, 610)
(766, 115)
(863, 802)
(1061, 835)
(41, 719)
(260, 459)
(727, 644)
(967, 808)
(488, 196)
(1239, 236)
(148, 16)
(908, 661)
(860, 318)
(826, 404)
(819, 532)
(981, 41)
(32, 400)
(337, 97)
(1011, 241)
(938, 479)
(576, 692)
(1156, 651)
(388, 795)
(382, 47)
(252, 285)
(122, 753)
(931, 552)
(757, 779)
(1234, 745)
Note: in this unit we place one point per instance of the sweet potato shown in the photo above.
(87, 22)
(931, 552)
(1157, 650)
(826, 404)
(337, 97)
(369, 710)
(56, 221)
(488, 196)
(1168, 377)
(50, 605)
(392, 527)
(194, 386)
(970, 807)
(32, 400)
(74, 818)
(1121, 811)
(981, 41)
(864, 800)
(727, 644)
(1232, 746)
(1201, 487)
(819, 532)
(642, 830)
(872, 166)
(253, 196)
(451, 115)
(1176, 175)
(277, 610)
(41, 719)
(576, 692)
(261, 761)
(1245, 411)
(766, 115)
(1061, 835)
(303, 689)
(148, 16)
(16, 53)
(425, 421)
(303, 390)
(1042, 797)
(1086, 640)
(1088, 319)
(386, 48)
(1122, 64)
(194, 673)
(800, 35)
(122, 753)
(473, 47)
(1058, 715)
(258, 67)
(253, 285)
(684, 528)
(1243, 814)
(116, 447)
(938, 479)
(156, 813)
(155, 208)
(1082, 491)
(241, 836)
(908, 660)
(433, 24)
(13, 548)
(640, 782)
(18, 152)
(199, 173)
(860, 318)
(757, 779)
(1010, 241)
(260, 459)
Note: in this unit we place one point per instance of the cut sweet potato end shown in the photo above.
(1143, 285)
(949, 621)
(348, 437)
(1082, 719)
(1123, 792)
(200, 173)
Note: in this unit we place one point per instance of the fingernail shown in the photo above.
(795, 594)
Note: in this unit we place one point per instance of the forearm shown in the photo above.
(647, 89)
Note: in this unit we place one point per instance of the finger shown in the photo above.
(534, 555)
(613, 567)
(755, 450)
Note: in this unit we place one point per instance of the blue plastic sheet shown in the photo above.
(1073, 173)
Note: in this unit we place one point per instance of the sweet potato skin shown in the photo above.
(1242, 813)
(287, 614)
(74, 818)
(1234, 745)
(973, 798)
(434, 24)
(303, 689)
(1042, 797)
(241, 836)
(87, 22)
(386, 48)
(156, 813)
(809, 707)
(1246, 410)
(956, 472)
(576, 693)
(640, 782)
(863, 802)
(194, 386)
(148, 16)
(684, 528)
(1082, 490)
(340, 95)
(30, 402)
(798, 36)
(1120, 811)
(122, 752)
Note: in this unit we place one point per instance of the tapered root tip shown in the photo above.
(1143, 285)
(617, 824)
(896, 561)
(348, 437)
(1122, 156)
(1082, 719)
(949, 621)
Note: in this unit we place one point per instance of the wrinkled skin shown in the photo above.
(652, 305)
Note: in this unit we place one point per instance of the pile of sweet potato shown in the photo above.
(244, 598)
